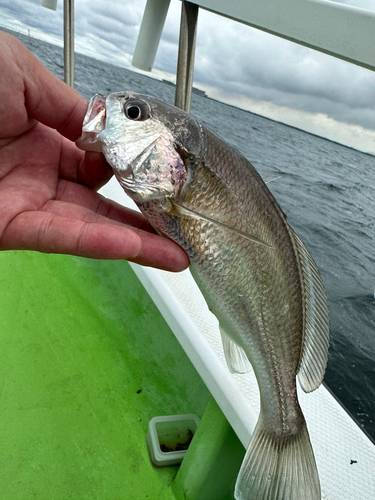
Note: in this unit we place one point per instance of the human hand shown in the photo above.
(48, 200)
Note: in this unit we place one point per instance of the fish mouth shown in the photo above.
(93, 125)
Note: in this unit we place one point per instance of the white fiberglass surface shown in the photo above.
(344, 455)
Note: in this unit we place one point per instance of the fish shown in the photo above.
(254, 272)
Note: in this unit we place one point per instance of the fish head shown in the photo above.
(144, 140)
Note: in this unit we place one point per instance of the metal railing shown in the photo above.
(340, 30)
(68, 37)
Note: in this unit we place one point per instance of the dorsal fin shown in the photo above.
(315, 343)
(269, 178)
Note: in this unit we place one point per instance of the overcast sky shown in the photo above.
(234, 63)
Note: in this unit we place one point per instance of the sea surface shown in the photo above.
(325, 189)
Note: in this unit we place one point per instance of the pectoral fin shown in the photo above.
(234, 355)
(188, 212)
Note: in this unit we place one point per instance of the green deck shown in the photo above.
(87, 360)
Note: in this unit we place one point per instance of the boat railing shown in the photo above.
(68, 37)
(340, 30)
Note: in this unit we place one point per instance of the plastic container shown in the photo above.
(168, 438)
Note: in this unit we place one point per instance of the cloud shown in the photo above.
(30, 14)
(110, 19)
(108, 30)
(261, 66)
(320, 124)
(235, 61)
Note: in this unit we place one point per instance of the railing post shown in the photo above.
(186, 52)
(69, 42)
(150, 34)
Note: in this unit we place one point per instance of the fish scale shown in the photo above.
(240, 270)
(253, 271)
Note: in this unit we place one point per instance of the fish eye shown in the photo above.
(133, 112)
(136, 110)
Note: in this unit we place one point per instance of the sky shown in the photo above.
(234, 63)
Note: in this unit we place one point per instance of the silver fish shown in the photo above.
(255, 273)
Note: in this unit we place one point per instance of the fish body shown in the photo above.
(254, 272)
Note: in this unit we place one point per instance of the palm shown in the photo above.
(33, 192)
(47, 186)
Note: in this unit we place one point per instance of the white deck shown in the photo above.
(336, 439)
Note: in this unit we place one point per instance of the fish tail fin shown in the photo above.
(277, 468)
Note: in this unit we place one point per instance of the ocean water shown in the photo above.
(325, 189)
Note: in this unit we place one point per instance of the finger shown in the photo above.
(93, 170)
(51, 233)
(80, 195)
(80, 212)
(48, 99)
(87, 168)
(156, 250)
(161, 252)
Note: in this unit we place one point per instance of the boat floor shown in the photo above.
(87, 361)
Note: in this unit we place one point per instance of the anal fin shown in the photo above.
(235, 356)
